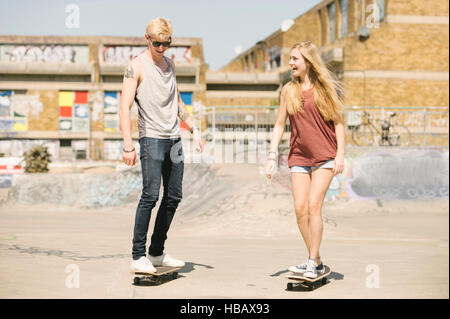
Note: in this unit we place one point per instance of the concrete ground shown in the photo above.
(235, 246)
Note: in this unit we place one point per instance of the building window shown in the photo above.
(323, 27)
(380, 7)
(344, 16)
(65, 143)
(253, 61)
(331, 22)
(275, 57)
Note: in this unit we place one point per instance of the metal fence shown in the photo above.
(365, 126)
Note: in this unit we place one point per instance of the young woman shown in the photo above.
(316, 151)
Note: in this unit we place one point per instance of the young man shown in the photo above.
(150, 82)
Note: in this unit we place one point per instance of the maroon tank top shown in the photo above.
(313, 140)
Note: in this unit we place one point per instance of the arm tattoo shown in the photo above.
(129, 73)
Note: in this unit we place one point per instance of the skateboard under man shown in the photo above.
(311, 283)
(156, 277)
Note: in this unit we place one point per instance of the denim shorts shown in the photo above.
(309, 169)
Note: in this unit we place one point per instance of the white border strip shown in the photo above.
(404, 75)
(416, 19)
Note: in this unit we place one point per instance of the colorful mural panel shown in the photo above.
(73, 111)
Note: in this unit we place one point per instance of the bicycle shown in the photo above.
(389, 134)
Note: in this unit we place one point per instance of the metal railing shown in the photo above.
(420, 126)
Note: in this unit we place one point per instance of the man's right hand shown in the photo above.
(129, 158)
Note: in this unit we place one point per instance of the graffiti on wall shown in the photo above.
(16, 147)
(111, 111)
(5, 104)
(403, 175)
(44, 53)
(123, 54)
(179, 54)
(386, 174)
(15, 109)
(111, 104)
(83, 190)
(27, 105)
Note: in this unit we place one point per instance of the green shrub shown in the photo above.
(37, 159)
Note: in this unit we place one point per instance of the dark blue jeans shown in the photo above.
(159, 158)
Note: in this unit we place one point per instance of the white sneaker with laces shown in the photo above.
(299, 269)
(311, 270)
(166, 260)
(142, 265)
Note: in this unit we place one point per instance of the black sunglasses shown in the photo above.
(157, 43)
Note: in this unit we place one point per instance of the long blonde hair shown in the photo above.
(326, 88)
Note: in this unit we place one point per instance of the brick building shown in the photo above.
(387, 53)
(64, 91)
(398, 54)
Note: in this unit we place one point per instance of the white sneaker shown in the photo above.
(165, 260)
(299, 269)
(311, 269)
(142, 265)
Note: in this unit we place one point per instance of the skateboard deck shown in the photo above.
(311, 283)
(157, 277)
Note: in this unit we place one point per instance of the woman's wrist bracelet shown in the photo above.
(129, 150)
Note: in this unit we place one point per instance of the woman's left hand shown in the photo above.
(338, 164)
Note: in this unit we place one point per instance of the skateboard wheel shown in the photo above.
(175, 275)
(311, 287)
(290, 286)
(136, 280)
(324, 281)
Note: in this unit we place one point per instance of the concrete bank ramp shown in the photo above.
(104, 190)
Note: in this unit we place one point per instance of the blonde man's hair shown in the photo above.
(326, 88)
(159, 27)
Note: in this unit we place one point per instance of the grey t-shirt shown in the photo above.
(157, 102)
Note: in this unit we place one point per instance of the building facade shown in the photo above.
(389, 55)
(65, 91)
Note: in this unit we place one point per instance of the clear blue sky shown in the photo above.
(223, 25)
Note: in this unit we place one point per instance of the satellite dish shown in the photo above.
(286, 24)
(238, 49)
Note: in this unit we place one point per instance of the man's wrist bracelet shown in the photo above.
(192, 129)
(128, 151)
